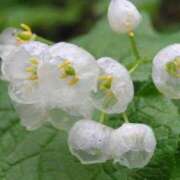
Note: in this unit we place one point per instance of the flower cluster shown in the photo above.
(64, 85)
(131, 145)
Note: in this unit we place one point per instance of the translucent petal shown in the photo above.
(15, 65)
(89, 141)
(166, 84)
(25, 92)
(36, 48)
(123, 16)
(121, 93)
(85, 67)
(61, 119)
(133, 145)
(8, 36)
(5, 50)
(32, 116)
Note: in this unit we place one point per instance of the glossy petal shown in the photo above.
(85, 67)
(32, 116)
(166, 84)
(89, 141)
(133, 145)
(8, 36)
(123, 16)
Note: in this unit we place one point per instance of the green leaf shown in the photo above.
(176, 172)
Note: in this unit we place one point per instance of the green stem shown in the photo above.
(134, 45)
(43, 40)
(125, 117)
(135, 67)
(102, 117)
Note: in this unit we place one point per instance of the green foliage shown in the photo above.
(44, 155)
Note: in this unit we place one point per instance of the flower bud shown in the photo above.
(133, 145)
(123, 16)
(89, 141)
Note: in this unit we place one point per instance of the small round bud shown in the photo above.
(123, 16)
(89, 141)
(166, 71)
(133, 145)
(115, 88)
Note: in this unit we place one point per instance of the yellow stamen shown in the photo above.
(105, 77)
(105, 82)
(73, 81)
(33, 77)
(25, 27)
(30, 69)
(34, 61)
(131, 34)
(67, 71)
(64, 64)
(25, 34)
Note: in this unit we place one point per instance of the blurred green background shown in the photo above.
(63, 19)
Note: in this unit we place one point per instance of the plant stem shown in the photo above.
(135, 66)
(102, 117)
(134, 45)
(125, 117)
(43, 40)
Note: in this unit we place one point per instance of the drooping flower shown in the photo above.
(115, 88)
(123, 16)
(48, 85)
(23, 69)
(133, 145)
(75, 76)
(166, 71)
(89, 141)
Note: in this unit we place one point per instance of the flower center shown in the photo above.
(105, 85)
(173, 67)
(105, 82)
(68, 72)
(32, 69)
(25, 35)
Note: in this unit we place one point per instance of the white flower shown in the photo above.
(166, 71)
(89, 141)
(123, 16)
(37, 85)
(115, 88)
(133, 145)
(26, 56)
(27, 89)
(75, 75)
